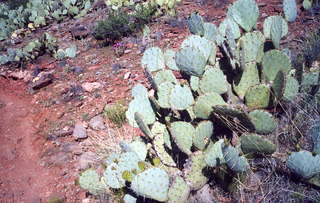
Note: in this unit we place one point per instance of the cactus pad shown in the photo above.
(153, 183)
(170, 59)
(153, 59)
(191, 61)
(213, 80)
(140, 148)
(304, 164)
(291, 89)
(314, 133)
(228, 23)
(235, 162)
(245, 13)
(129, 199)
(252, 143)
(258, 96)
(164, 76)
(278, 85)
(179, 191)
(90, 180)
(183, 133)
(194, 83)
(273, 62)
(204, 131)
(181, 97)
(275, 32)
(249, 78)
(212, 33)
(193, 171)
(204, 104)
(195, 24)
(268, 24)
(252, 45)
(164, 94)
(139, 91)
(142, 106)
(263, 121)
(290, 10)
(199, 43)
(213, 154)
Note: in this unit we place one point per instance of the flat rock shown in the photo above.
(97, 123)
(91, 86)
(79, 131)
(42, 80)
(86, 160)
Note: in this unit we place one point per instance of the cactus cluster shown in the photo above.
(179, 118)
(35, 48)
(38, 13)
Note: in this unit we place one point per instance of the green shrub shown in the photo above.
(116, 113)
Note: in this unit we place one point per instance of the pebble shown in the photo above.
(96, 123)
(91, 86)
(79, 131)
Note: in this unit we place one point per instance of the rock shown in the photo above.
(73, 92)
(96, 123)
(73, 148)
(127, 75)
(42, 80)
(77, 69)
(91, 86)
(79, 31)
(86, 160)
(86, 200)
(79, 131)
(116, 67)
(204, 195)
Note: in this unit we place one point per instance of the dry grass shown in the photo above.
(116, 113)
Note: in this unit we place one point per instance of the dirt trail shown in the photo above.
(22, 178)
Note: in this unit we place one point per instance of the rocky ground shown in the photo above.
(51, 122)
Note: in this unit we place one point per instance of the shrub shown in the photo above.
(116, 113)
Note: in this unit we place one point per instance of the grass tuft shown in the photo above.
(116, 113)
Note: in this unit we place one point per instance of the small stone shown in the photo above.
(97, 123)
(127, 75)
(127, 51)
(86, 200)
(79, 131)
(42, 80)
(91, 86)
(77, 69)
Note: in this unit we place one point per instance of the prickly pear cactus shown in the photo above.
(195, 24)
(234, 161)
(179, 191)
(153, 59)
(153, 183)
(290, 10)
(183, 133)
(90, 180)
(304, 164)
(314, 133)
(252, 143)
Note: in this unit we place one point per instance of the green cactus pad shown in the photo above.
(252, 45)
(213, 154)
(153, 59)
(129, 199)
(291, 89)
(258, 97)
(212, 33)
(195, 24)
(204, 131)
(268, 24)
(249, 78)
(278, 85)
(170, 59)
(90, 180)
(140, 148)
(183, 133)
(199, 43)
(314, 133)
(235, 162)
(204, 104)
(159, 144)
(142, 106)
(113, 158)
(164, 76)
(179, 191)
(263, 121)
(273, 62)
(142, 125)
(213, 80)
(181, 97)
(113, 176)
(194, 83)
(191, 61)
(228, 23)
(311, 78)
(139, 91)
(164, 91)
(304, 164)
(153, 183)
(245, 13)
(234, 113)
(275, 32)
(193, 171)
(307, 4)
(290, 10)
(252, 143)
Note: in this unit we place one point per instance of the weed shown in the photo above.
(116, 113)
(85, 117)
(56, 200)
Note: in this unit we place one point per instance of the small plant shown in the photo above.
(116, 113)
